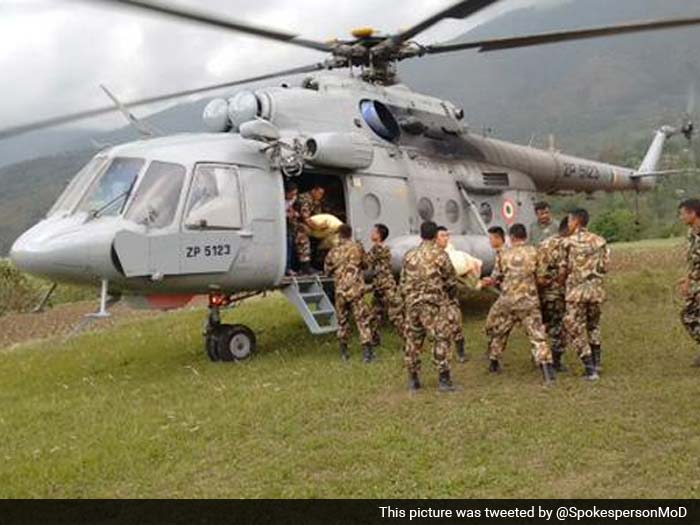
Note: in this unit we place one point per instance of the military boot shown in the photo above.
(495, 366)
(413, 382)
(368, 354)
(557, 363)
(590, 372)
(445, 382)
(462, 355)
(596, 353)
(344, 354)
(548, 373)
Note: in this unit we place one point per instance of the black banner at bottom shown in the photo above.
(194, 512)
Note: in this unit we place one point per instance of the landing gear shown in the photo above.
(226, 342)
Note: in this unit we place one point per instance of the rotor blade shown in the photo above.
(498, 44)
(194, 15)
(460, 10)
(55, 121)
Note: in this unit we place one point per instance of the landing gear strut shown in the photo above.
(226, 342)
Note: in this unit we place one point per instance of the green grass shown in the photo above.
(139, 412)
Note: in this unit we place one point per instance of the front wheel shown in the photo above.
(235, 342)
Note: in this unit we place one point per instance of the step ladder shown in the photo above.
(314, 305)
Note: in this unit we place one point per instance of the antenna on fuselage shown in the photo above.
(145, 130)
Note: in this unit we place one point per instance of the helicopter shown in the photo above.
(164, 219)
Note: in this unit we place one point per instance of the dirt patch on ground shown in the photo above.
(60, 321)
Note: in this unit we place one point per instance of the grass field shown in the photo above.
(138, 411)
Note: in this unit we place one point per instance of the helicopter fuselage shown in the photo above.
(201, 212)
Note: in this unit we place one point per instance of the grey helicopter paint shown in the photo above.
(437, 172)
(204, 213)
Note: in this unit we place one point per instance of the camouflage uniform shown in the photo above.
(346, 264)
(690, 315)
(552, 292)
(585, 260)
(517, 271)
(306, 207)
(386, 301)
(539, 232)
(428, 279)
(453, 314)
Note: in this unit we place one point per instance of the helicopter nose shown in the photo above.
(34, 254)
(64, 252)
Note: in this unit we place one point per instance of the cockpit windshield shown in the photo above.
(76, 188)
(109, 192)
(158, 195)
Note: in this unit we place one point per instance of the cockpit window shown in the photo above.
(76, 188)
(157, 196)
(109, 192)
(215, 199)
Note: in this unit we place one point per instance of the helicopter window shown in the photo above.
(380, 120)
(426, 209)
(372, 206)
(157, 196)
(486, 212)
(215, 198)
(75, 189)
(109, 192)
(452, 211)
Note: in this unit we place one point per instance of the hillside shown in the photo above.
(601, 99)
(139, 411)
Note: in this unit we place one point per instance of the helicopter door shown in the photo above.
(213, 219)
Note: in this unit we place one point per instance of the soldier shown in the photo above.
(291, 193)
(552, 291)
(308, 204)
(544, 226)
(497, 240)
(346, 264)
(386, 301)
(453, 310)
(584, 263)
(517, 272)
(428, 280)
(689, 211)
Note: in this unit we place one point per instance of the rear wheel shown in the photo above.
(235, 342)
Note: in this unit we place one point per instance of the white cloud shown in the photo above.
(55, 53)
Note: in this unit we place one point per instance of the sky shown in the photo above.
(54, 54)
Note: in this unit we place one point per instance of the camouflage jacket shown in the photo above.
(539, 233)
(379, 262)
(517, 270)
(427, 276)
(585, 262)
(346, 264)
(308, 207)
(551, 253)
(693, 259)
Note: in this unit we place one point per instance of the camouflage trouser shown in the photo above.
(427, 319)
(553, 310)
(503, 318)
(303, 245)
(360, 310)
(690, 316)
(453, 312)
(387, 304)
(582, 326)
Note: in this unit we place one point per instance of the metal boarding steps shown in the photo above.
(314, 305)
